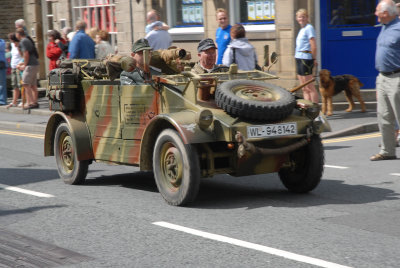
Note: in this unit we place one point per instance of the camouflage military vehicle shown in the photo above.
(182, 127)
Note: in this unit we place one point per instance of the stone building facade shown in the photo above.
(125, 19)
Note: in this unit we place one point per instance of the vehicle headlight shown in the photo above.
(313, 111)
(204, 118)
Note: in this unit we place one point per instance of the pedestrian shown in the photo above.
(240, 51)
(8, 58)
(223, 34)
(387, 63)
(207, 52)
(30, 66)
(103, 48)
(138, 75)
(16, 58)
(63, 42)
(306, 54)
(20, 23)
(3, 69)
(53, 51)
(82, 45)
(154, 23)
(92, 32)
(157, 37)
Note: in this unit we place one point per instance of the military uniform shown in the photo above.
(198, 69)
(203, 46)
(137, 76)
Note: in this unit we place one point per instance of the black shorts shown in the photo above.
(304, 67)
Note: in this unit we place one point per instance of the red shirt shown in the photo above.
(53, 52)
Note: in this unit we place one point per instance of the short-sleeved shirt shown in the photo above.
(388, 47)
(81, 46)
(303, 46)
(27, 45)
(222, 38)
(159, 39)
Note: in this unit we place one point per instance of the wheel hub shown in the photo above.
(172, 167)
(67, 153)
(255, 93)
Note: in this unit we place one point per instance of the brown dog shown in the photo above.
(330, 86)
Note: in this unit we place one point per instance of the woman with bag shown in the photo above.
(239, 50)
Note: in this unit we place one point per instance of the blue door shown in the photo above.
(348, 38)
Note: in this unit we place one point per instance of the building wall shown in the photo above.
(10, 11)
(131, 22)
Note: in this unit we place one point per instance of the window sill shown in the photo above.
(260, 28)
(187, 33)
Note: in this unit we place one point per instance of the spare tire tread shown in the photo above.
(254, 109)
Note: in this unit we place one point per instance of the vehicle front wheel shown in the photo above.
(176, 169)
(307, 167)
(70, 169)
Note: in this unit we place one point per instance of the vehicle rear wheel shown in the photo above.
(176, 169)
(254, 100)
(70, 169)
(306, 173)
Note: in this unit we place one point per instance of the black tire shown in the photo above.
(308, 167)
(176, 169)
(70, 169)
(255, 100)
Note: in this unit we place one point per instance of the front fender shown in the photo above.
(79, 132)
(183, 122)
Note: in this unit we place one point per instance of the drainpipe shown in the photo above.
(131, 19)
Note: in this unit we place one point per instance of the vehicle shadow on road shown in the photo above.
(20, 176)
(138, 180)
(253, 192)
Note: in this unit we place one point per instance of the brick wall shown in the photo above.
(10, 11)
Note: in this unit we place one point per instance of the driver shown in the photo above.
(207, 52)
(136, 74)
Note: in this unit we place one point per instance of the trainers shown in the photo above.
(20, 104)
(379, 157)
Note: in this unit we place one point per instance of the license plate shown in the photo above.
(272, 130)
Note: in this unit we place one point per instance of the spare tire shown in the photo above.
(254, 100)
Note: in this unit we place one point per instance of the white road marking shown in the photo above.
(339, 167)
(241, 243)
(24, 191)
(395, 174)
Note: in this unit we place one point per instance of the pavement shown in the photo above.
(35, 120)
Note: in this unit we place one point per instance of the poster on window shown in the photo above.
(272, 9)
(199, 14)
(259, 10)
(185, 14)
(251, 10)
(192, 17)
(267, 10)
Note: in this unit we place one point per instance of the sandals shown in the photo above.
(379, 157)
(11, 105)
(31, 106)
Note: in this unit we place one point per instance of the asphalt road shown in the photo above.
(118, 219)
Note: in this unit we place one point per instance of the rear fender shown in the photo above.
(183, 123)
(79, 132)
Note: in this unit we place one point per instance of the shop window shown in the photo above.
(256, 12)
(97, 13)
(185, 13)
(358, 13)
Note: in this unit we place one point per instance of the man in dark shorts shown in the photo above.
(30, 67)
